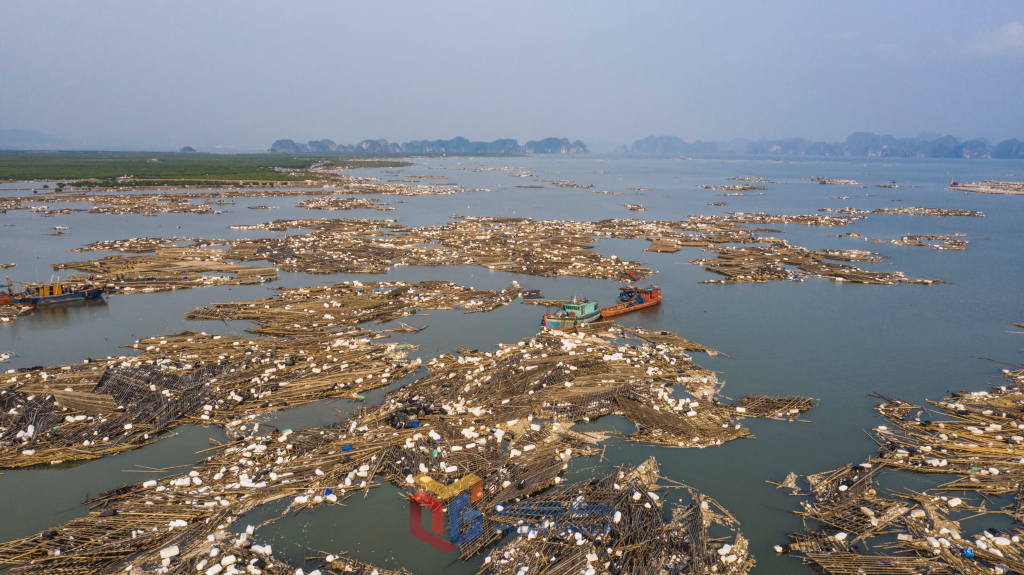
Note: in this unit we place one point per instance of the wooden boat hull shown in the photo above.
(37, 301)
(564, 322)
(627, 307)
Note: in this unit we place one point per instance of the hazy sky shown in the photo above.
(246, 73)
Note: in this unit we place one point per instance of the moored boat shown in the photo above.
(39, 294)
(573, 313)
(632, 299)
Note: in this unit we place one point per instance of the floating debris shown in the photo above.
(302, 311)
(123, 403)
(568, 184)
(831, 182)
(658, 337)
(755, 180)
(990, 187)
(337, 203)
(663, 245)
(549, 248)
(263, 207)
(85, 411)
(168, 268)
(738, 188)
(636, 538)
(607, 193)
(979, 442)
(144, 245)
(183, 202)
(973, 438)
(9, 313)
(762, 218)
(441, 438)
(543, 248)
(939, 242)
(908, 211)
(635, 207)
(775, 262)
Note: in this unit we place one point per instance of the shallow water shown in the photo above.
(837, 342)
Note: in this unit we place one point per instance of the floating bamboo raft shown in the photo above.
(976, 437)
(167, 269)
(778, 261)
(545, 248)
(991, 187)
(502, 416)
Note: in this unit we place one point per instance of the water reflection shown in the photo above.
(57, 315)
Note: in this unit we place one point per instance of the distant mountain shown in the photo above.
(925, 145)
(287, 147)
(859, 144)
(1009, 149)
(872, 145)
(458, 145)
(671, 145)
(31, 140)
(321, 146)
(462, 146)
(556, 146)
(380, 146)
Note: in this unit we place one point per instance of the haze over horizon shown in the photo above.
(166, 74)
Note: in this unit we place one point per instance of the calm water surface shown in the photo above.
(833, 341)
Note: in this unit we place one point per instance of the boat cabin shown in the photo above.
(580, 308)
(639, 294)
(50, 289)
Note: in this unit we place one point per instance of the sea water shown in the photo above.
(837, 342)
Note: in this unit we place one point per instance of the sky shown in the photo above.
(243, 74)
